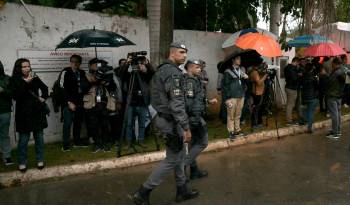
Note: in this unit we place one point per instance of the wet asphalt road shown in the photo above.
(303, 169)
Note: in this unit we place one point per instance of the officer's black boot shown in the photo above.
(141, 197)
(184, 192)
(197, 173)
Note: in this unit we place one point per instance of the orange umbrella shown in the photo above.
(324, 49)
(264, 45)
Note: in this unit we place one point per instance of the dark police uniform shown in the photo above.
(195, 108)
(167, 98)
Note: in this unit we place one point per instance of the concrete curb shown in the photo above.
(16, 178)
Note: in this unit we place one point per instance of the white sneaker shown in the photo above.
(40, 165)
(22, 168)
(346, 105)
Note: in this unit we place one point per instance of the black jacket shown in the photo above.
(30, 112)
(309, 87)
(6, 95)
(336, 83)
(140, 94)
(195, 96)
(233, 86)
(167, 93)
(74, 89)
(291, 76)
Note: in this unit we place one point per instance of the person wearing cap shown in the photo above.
(195, 107)
(168, 99)
(233, 95)
(203, 74)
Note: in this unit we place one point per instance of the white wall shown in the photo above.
(49, 26)
(205, 46)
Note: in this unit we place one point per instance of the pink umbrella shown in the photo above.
(324, 49)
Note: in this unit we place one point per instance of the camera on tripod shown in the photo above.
(137, 58)
(271, 71)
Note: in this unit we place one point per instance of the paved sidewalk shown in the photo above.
(16, 178)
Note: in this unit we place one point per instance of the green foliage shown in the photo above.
(343, 10)
(212, 15)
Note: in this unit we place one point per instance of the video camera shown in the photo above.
(271, 71)
(103, 69)
(136, 58)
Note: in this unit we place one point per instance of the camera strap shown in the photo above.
(234, 74)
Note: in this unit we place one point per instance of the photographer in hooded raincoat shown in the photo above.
(257, 76)
(97, 104)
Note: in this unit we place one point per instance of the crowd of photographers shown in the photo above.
(109, 100)
(309, 83)
(104, 98)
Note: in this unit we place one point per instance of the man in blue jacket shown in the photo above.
(233, 95)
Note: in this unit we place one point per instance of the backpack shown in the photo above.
(57, 94)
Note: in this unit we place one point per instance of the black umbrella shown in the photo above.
(248, 58)
(94, 38)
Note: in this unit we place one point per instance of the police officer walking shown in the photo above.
(167, 97)
(195, 108)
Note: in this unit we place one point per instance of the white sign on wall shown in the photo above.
(55, 61)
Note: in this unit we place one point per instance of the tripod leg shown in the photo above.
(124, 127)
(150, 116)
(276, 107)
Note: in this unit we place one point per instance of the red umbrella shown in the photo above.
(324, 49)
(264, 45)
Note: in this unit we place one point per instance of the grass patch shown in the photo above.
(217, 130)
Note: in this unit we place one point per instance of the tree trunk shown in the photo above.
(166, 28)
(153, 13)
(275, 17)
(309, 10)
(161, 34)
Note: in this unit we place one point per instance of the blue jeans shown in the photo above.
(5, 144)
(310, 111)
(23, 146)
(334, 108)
(141, 113)
(69, 118)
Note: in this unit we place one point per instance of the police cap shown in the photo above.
(192, 61)
(178, 45)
